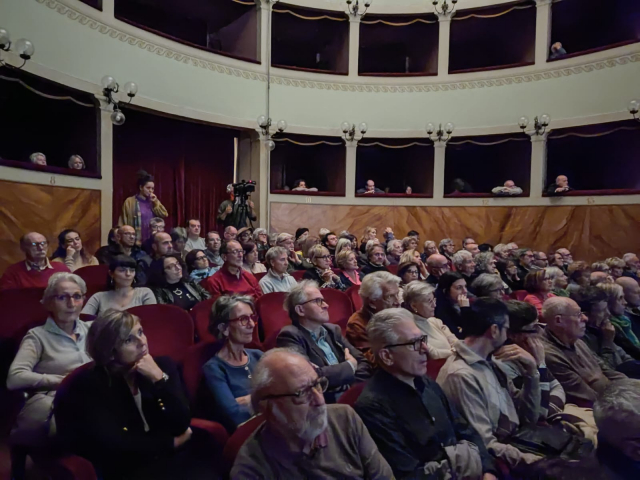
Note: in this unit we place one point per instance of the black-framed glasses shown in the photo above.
(306, 394)
(318, 301)
(324, 257)
(76, 297)
(38, 244)
(416, 343)
(201, 257)
(245, 319)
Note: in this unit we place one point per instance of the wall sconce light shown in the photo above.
(264, 123)
(23, 47)
(349, 131)
(445, 8)
(634, 108)
(354, 8)
(441, 134)
(109, 87)
(539, 124)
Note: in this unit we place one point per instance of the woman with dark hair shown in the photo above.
(122, 293)
(198, 266)
(251, 263)
(127, 413)
(71, 252)
(171, 285)
(408, 272)
(451, 298)
(539, 286)
(509, 274)
(139, 209)
(228, 373)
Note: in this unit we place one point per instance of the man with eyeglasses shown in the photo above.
(321, 342)
(525, 262)
(35, 270)
(126, 245)
(582, 375)
(232, 278)
(417, 430)
(301, 436)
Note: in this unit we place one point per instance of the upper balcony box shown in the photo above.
(221, 26)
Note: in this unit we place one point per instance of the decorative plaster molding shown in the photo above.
(500, 81)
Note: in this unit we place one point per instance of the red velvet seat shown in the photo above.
(200, 314)
(298, 274)
(273, 317)
(259, 275)
(393, 269)
(350, 396)
(169, 330)
(434, 366)
(340, 307)
(354, 296)
(95, 276)
(194, 359)
(238, 438)
(519, 295)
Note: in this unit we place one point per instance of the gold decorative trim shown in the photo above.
(114, 33)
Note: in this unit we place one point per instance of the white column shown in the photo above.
(443, 43)
(438, 168)
(354, 44)
(350, 174)
(106, 169)
(538, 165)
(264, 34)
(543, 30)
(264, 182)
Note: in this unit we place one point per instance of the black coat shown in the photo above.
(346, 281)
(369, 267)
(446, 312)
(314, 274)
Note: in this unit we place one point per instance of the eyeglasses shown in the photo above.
(324, 257)
(76, 297)
(417, 343)
(306, 394)
(201, 257)
(235, 252)
(318, 301)
(576, 314)
(38, 244)
(245, 319)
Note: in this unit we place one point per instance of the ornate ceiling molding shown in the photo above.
(500, 81)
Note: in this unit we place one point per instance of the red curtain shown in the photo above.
(192, 165)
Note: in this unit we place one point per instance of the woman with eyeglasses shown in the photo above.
(122, 292)
(198, 266)
(228, 373)
(170, 284)
(322, 273)
(539, 286)
(420, 300)
(451, 296)
(46, 355)
(251, 263)
(71, 252)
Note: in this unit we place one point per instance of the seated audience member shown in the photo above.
(295, 262)
(600, 333)
(560, 186)
(161, 245)
(512, 247)
(408, 415)
(261, 239)
(171, 284)
(486, 263)
(488, 285)
(251, 263)
(461, 185)
(556, 260)
(179, 239)
(631, 266)
(321, 342)
(38, 159)
(559, 281)
(625, 336)
(407, 272)
(330, 241)
(617, 266)
(539, 286)
(301, 234)
(344, 244)
(409, 243)
(600, 267)
(567, 258)
(472, 248)
(126, 245)
(230, 233)
(408, 190)
(557, 51)
(122, 293)
(102, 254)
(349, 273)
(437, 265)
(228, 373)
(451, 298)
(194, 240)
(76, 162)
(394, 251)
(232, 278)
(467, 241)
(244, 235)
(36, 270)
(509, 274)
(508, 189)
(480, 390)
(71, 252)
(430, 248)
(378, 291)
(198, 266)
(370, 187)
(301, 186)
(501, 251)
(277, 279)
(485, 247)
(321, 273)
(540, 260)
(525, 261)
(301, 436)
(156, 225)
(420, 300)
(568, 358)
(600, 277)
(413, 256)
(213, 249)
(632, 297)
(370, 233)
(579, 274)
(46, 355)
(465, 266)
(376, 260)
(447, 248)
(127, 414)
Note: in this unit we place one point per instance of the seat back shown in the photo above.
(272, 316)
(351, 396)
(434, 366)
(298, 274)
(95, 276)
(259, 275)
(238, 438)
(169, 330)
(194, 359)
(340, 307)
(519, 295)
(200, 314)
(354, 296)
(393, 269)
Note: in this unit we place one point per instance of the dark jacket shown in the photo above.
(369, 267)
(551, 190)
(105, 255)
(164, 295)
(346, 281)
(314, 274)
(340, 376)
(446, 312)
(412, 426)
(97, 418)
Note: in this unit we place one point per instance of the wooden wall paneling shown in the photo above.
(48, 210)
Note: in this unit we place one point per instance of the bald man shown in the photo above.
(632, 264)
(582, 374)
(301, 437)
(509, 188)
(600, 277)
(632, 297)
(436, 265)
(561, 186)
(35, 270)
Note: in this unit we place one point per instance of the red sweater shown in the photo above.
(224, 283)
(17, 276)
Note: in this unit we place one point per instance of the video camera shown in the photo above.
(242, 189)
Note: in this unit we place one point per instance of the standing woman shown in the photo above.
(71, 252)
(138, 210)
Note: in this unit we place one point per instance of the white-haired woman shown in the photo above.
(322, 272)
(394, 251)
(261, 239)
(46, 355)
(420, 300)
(376, 259)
